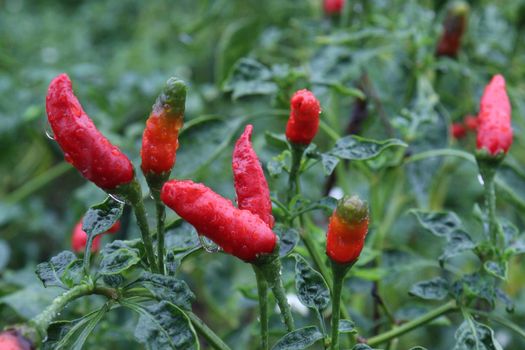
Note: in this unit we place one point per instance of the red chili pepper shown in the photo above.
(13, 340)
(115, 228)
(347, 230)
(471, 122)
(251, 187)
(79, 239)
(238, 232)
(84, 146)
(494, 120)
(332, 7)
(453, 29)
(160, 138)
(304, 118)
(458, 130)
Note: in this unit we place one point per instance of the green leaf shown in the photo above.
(182, 238)
(278, 163)
(362, 347)
(250, 77)
(457, 242)
(63, 270)
(118, 257)
(509, 303)
(276, 140)
(4, 254)
(510, 231)
(312, 289)
(299, 339)
(518, 246)
(475, 286)
(496, 269)
(288, 239)
(418, 348)
(169, 289)
(164, 326)
(346, 326)
(80, 329)
(100, 217)
(329, 163)
(39, 296)
(434, 289)
(442, 224)
(359, 148)
(472, 335)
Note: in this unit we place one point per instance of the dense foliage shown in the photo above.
(388, 99)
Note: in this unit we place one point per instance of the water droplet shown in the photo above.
(480, 179)
(49, 134)
(114, 197)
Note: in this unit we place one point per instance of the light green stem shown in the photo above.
(293, 181)
(142, 221)
(339, 272)
(415, 323)
(161, 217)
(205, 331)
(262, 291)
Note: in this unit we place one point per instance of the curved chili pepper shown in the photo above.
(304, 118)
(83, 144)
(13, 340)
(347, 230)
(238, 232)
(494, 120)
(332, 7)
(160, 139)
(453, 29)
(251, 187)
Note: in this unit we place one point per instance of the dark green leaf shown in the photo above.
(4, 254)
(276, 140)
(509, 303)
(358, 148)
(518, 246)
(475, 287)
(472, 335)
(509, 231)
(250, 77)
(299, 339)
(169, 289)
(362, 347)
(288, 238)
(312, 289)
(329, 163)
(164, 326)
(118, 257)
(63, 270)
(114, 280)
(182, 238)
(441, 224)
(457, 242)
(434, 289)
(347, 326)
(100, 217)
(496, 269)
(278, 163)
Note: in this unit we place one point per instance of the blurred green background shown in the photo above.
(118, 55)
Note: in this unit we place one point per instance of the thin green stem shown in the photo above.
(339, 272)
(161, 217)
(262, 291)
(490, 200)
(293, 181)
(415, 323)
(142, 221)
(438, 153)
(213, 339)
(502, 321)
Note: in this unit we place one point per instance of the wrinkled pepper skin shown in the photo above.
(494, 119)
(12, 340)
(238, 232)
(453, 29)
(333, 7)
(83, 144)
(304, 118)
(160, 139)
(79, 239)
(347, 230)
(251, 187)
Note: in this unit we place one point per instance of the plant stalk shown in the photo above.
(262, 291)
(415, 323)
(339, 272)
(205, 331)
(161, 249)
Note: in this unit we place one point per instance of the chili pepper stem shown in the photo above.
(262, 291)
(133, 194)
(488, 165)
(339, 272)
(161, 249)
(271, 271)
(213, 339)
(293, 180)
